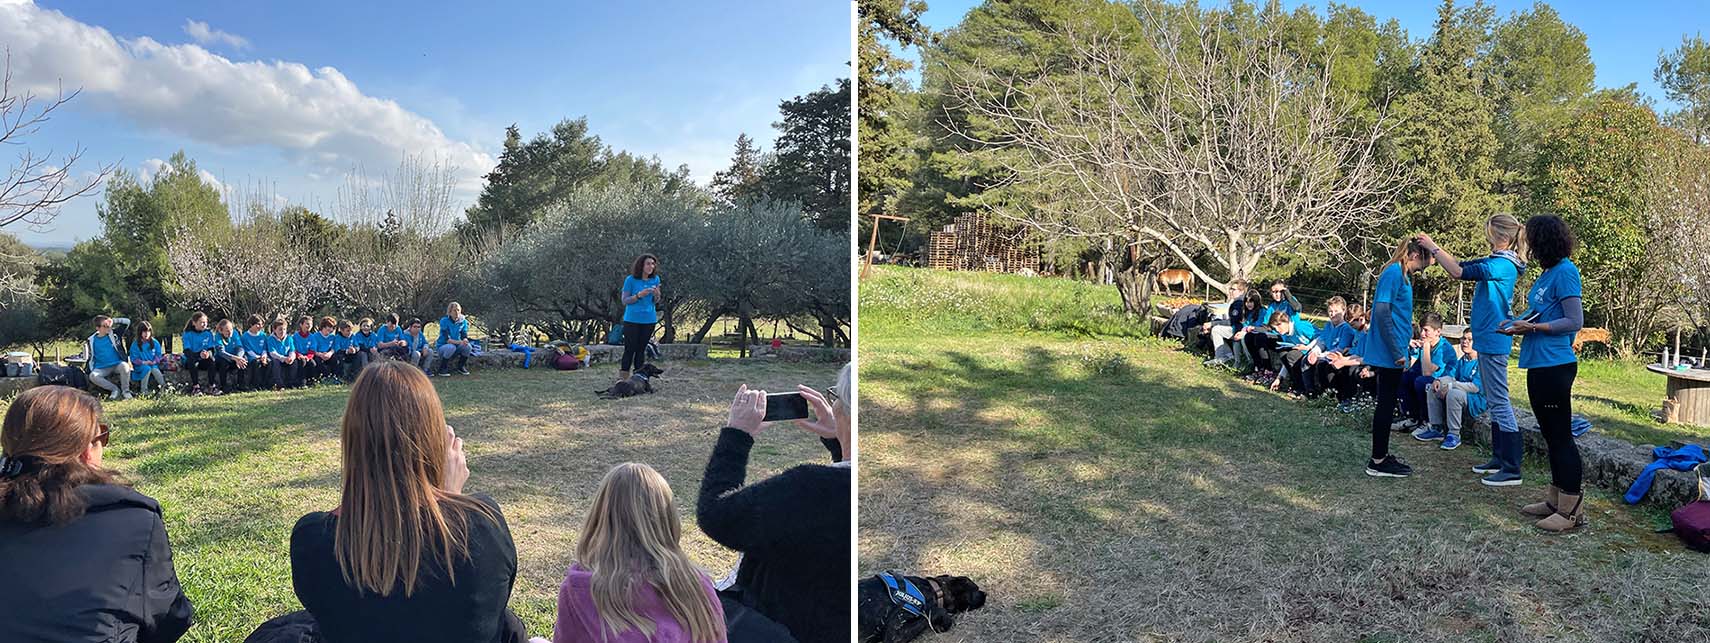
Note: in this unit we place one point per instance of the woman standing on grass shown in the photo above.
(631, 582)
(1555, 315)
(1386, 348)
(640, 312)
(83, 557)
(1493, 298)
(406, 556)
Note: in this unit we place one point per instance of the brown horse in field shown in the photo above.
(1175, 277)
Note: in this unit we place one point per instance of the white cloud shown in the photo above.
(317, 118)
(210, 36)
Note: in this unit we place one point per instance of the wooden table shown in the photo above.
(1690, 390)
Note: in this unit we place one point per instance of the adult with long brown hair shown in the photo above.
(83, 557)
(640, 296)
(792, 528)
(406, 556)
(631, 582)
(1556, 314)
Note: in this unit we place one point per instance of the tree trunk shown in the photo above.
(1134, 281)
(700, 336)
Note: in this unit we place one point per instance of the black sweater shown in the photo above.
(793, 532)
(472, 611)
(106, 576)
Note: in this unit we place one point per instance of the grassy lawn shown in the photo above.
(235, 473)
(1108, 488)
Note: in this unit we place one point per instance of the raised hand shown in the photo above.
(456, 464)
(748, 410)
(824, 422)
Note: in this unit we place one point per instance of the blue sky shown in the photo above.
(1624, 37)
(295, 95)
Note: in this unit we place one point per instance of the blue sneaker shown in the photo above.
(1428, 434)
(1500, 479)
(1450, 441)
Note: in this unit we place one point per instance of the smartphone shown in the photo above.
(785, 406)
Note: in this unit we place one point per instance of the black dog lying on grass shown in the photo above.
(639, 383)
(898, 609)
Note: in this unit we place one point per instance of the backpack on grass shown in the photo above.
(54, 374)
(1692, 521)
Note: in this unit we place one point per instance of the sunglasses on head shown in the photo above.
(104, 435)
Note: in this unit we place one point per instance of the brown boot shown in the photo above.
(1568, 516)
(1545, 508)
(622, 376)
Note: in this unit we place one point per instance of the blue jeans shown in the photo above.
(1493, 383)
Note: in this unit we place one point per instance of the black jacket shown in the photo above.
(106, 576)
(793, 532)
(472, 611)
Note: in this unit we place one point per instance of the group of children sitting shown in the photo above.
(265, 355)
(1272, 344)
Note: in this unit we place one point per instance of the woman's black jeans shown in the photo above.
(1551, 391)
(635, 338)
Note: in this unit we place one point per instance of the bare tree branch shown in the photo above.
(1217, 148)
(35, 187)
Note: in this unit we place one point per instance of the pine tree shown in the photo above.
(740, 183)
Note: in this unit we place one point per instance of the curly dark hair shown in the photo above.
(1549, 239)
(641, 261)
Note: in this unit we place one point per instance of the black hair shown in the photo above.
(1549, 239)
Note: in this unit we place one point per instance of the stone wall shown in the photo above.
(1609, 463)
(800, 353)
(597, 354)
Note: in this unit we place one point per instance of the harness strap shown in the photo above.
(904, 594)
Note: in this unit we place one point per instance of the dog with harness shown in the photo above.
(895, 609)
(638, 383)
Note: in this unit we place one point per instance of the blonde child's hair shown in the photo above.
(1504, 228)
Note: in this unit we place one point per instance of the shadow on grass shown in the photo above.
(1104, 492)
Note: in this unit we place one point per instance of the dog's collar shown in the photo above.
(904, 593)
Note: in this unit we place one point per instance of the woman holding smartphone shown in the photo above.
(1556, 315)
(640, 312)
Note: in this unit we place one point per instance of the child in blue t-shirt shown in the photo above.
(199, 347)
(254, 339)
(146, 357)
(229, 362)
(284, 365)
(1453, 394)
(1430, 353)
(1294, 338)
(1385, 348)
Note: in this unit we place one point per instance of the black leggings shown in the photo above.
(635, 337)
(222, 372)
(1551, 391)
(1262, 349)
(1387, 380)
(193, 362)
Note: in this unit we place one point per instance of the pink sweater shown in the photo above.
(578, 620)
